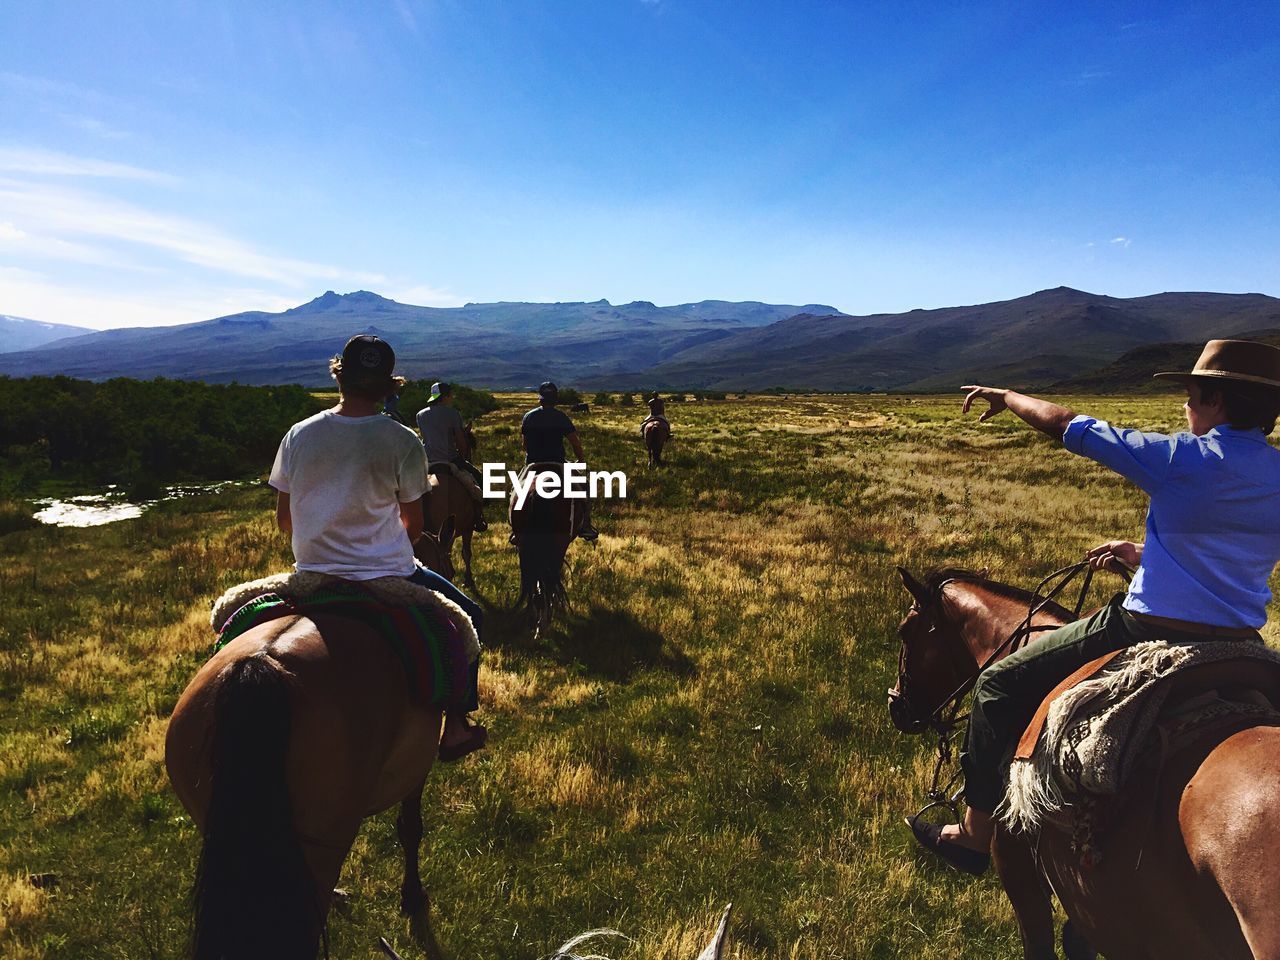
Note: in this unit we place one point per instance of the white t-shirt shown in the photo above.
(346, 478)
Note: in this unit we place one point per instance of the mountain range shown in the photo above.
(19, 333)
(485, 344)
(1045, 338)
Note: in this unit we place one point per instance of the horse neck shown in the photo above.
(985, 619)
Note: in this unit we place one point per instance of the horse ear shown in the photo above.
(715, 949)
(914, 586)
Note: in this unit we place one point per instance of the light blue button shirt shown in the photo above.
(1213, 527)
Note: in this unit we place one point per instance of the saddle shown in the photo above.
(432, 636)
(655, 419)
(533, 517)
(440, 470)
(1128, 710)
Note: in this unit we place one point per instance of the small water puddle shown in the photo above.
(96, 509)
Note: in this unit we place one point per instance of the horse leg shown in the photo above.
(1025, 889)
(466, 560)
(414, 902)
(1230, 819)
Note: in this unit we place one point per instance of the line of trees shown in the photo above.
(135, 432)
(141, 434)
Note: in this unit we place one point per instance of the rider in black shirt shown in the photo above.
(545, 429)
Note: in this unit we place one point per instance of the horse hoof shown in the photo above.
(423, 934)
(1074, 945)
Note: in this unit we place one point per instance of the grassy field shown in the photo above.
(707, 725)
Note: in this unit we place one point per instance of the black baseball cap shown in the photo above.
(366, 357)
(549, 391)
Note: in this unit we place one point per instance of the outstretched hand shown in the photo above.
(995, 397)
(1118, 556)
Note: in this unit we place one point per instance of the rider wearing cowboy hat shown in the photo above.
(1212, 541)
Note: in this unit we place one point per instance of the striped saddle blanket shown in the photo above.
(431, 636)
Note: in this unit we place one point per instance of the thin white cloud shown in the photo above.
(16, 242)
(46, 89)
(1088, 76)
(98, 128)
(407, 16)
(16, 160)
(62, 212)
(31, 294)
(422, 295)
(1120, 241)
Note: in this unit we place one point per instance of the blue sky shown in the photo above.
(163, 162)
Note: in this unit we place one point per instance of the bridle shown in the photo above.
(946, 718)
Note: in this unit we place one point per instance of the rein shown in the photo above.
(945, 719)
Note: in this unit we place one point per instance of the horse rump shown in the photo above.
(254, 895)
(543, 529)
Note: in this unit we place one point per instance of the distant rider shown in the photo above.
(544, 429)
(444, 436)
(1212, 542)
(350, 483)
(657, 413)
(391, 407)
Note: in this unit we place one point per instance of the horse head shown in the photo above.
(933, 660)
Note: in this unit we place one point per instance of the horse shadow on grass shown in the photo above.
(602, 642)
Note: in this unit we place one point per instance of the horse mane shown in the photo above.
(938, 578)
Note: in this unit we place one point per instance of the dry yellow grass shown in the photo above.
(707, 724)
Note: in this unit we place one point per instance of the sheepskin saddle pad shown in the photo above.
(1098, 731)
(430, 634)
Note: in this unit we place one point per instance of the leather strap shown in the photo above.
(1030, 736)
(1187, 626)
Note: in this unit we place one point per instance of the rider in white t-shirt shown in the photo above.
(350, 483)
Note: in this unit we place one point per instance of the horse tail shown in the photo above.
(254, 895)
(542, 545)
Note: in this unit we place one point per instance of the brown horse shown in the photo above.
(543, 529)
(656, 436)
(282, 743)
(449, 498)
(1189, 866)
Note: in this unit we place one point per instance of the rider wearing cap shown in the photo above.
(544, 429)
(1212, 542)
(444, 436)
(350, 483)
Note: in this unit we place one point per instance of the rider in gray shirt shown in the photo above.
(443, 437)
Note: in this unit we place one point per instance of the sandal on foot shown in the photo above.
(929, 836)
(477, 737)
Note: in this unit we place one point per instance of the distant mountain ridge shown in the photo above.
(1133, 370)
(500, 345)
(1041, 339)
(19, 333)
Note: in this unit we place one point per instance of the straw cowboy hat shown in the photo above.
(1242, 360)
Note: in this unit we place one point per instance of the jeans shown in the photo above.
(1008, 692)
(433, 581)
